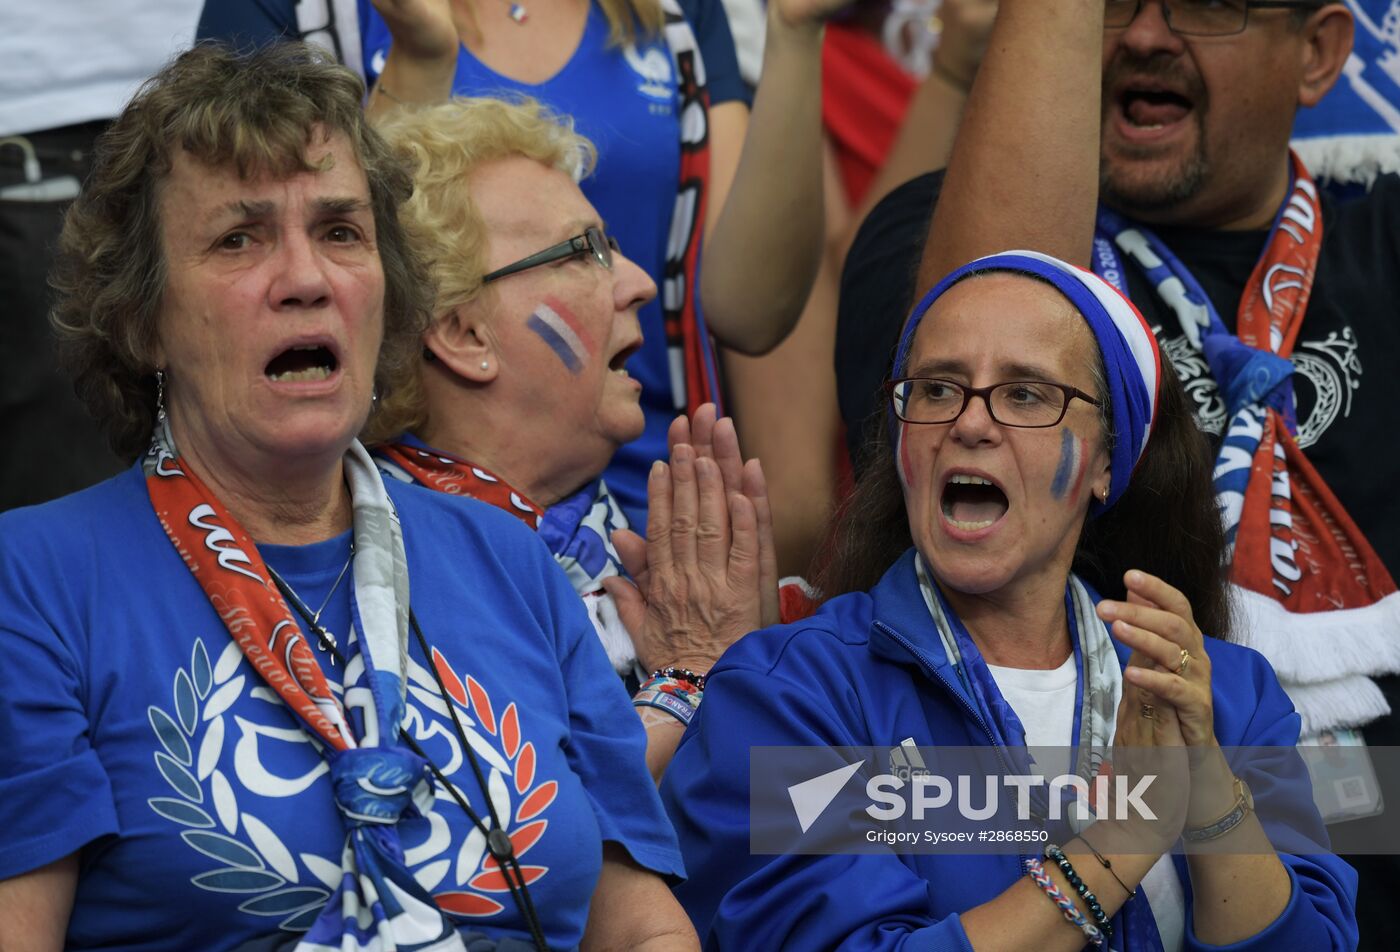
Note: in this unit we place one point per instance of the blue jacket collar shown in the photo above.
(902, 632)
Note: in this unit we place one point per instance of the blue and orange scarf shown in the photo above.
(1303, 576)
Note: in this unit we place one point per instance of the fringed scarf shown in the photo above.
(1310, 591)
(378, 906)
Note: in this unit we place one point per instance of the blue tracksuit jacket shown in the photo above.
(869, 670)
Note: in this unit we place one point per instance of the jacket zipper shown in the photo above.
(932, 672)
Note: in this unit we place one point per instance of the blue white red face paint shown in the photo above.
(1069, 472)
(558, 327)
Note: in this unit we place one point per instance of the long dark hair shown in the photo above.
(1166, 523)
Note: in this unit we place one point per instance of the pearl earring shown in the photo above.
(486, 365)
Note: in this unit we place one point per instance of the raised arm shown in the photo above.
(763, 228)
(1024, 168)
(423, 57)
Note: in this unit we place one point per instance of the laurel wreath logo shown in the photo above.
(253, 860)
(477, 870)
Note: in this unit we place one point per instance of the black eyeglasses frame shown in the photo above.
(1244, 22)
(593, 241)
(985, 393)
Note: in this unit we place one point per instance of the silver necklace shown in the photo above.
(323, 635)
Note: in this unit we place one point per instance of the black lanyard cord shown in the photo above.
(497, 841)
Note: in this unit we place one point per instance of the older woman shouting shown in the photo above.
(1030, 398)
(522, 396)
(254, 697)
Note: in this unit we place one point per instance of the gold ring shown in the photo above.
(1149, 712)
(1185, 661)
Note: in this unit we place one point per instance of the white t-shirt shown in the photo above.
(1044, 701)
(63, 62)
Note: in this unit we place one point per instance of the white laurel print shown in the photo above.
(257, 863)
(252, 860)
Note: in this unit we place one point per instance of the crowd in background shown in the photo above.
(683, 289)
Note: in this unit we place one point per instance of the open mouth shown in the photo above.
(619, 359)
(972, 502)
(304, 364)
(1152, 109)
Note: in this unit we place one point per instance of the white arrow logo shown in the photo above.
(811, 797)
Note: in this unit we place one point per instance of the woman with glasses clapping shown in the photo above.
(1036, 451)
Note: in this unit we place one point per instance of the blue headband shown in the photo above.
(1129, 350)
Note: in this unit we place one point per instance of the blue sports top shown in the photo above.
(137, 733)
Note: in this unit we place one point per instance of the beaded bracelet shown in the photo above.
(682, 674)
(674, 687)
(1066, 905)
(1053, 852)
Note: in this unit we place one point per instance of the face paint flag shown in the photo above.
(1070, 471)
(560, 333)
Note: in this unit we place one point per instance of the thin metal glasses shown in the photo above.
(1024, 403)
(1199, 17)
(593, 241)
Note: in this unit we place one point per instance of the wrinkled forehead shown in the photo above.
(326, 170)
(1007, 320)
(250, 152)
(519, 195)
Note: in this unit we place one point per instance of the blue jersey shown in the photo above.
(625, 101)
(137, 732)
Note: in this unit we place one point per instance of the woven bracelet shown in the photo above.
(674, 687)
(1067, 908)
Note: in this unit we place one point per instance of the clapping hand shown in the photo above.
(707, 572)
(1169, 662)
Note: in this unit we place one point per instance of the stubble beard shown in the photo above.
(1149, 192)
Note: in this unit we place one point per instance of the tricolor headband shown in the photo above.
(1129, 350)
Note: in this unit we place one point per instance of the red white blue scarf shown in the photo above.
(693, 376)
(1313, 595)
(378, 905)
(578, 529)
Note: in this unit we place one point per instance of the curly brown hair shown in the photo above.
(255, 113)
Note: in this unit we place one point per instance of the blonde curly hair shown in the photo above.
(442, 145)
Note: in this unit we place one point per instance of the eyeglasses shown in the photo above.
(1199, 17)
(1024, 403)
(593, 241)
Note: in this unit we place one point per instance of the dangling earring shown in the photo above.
(160, 395)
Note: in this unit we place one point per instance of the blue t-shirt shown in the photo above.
(625, 102)
(136, 731)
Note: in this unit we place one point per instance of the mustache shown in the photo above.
(1171, 71)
